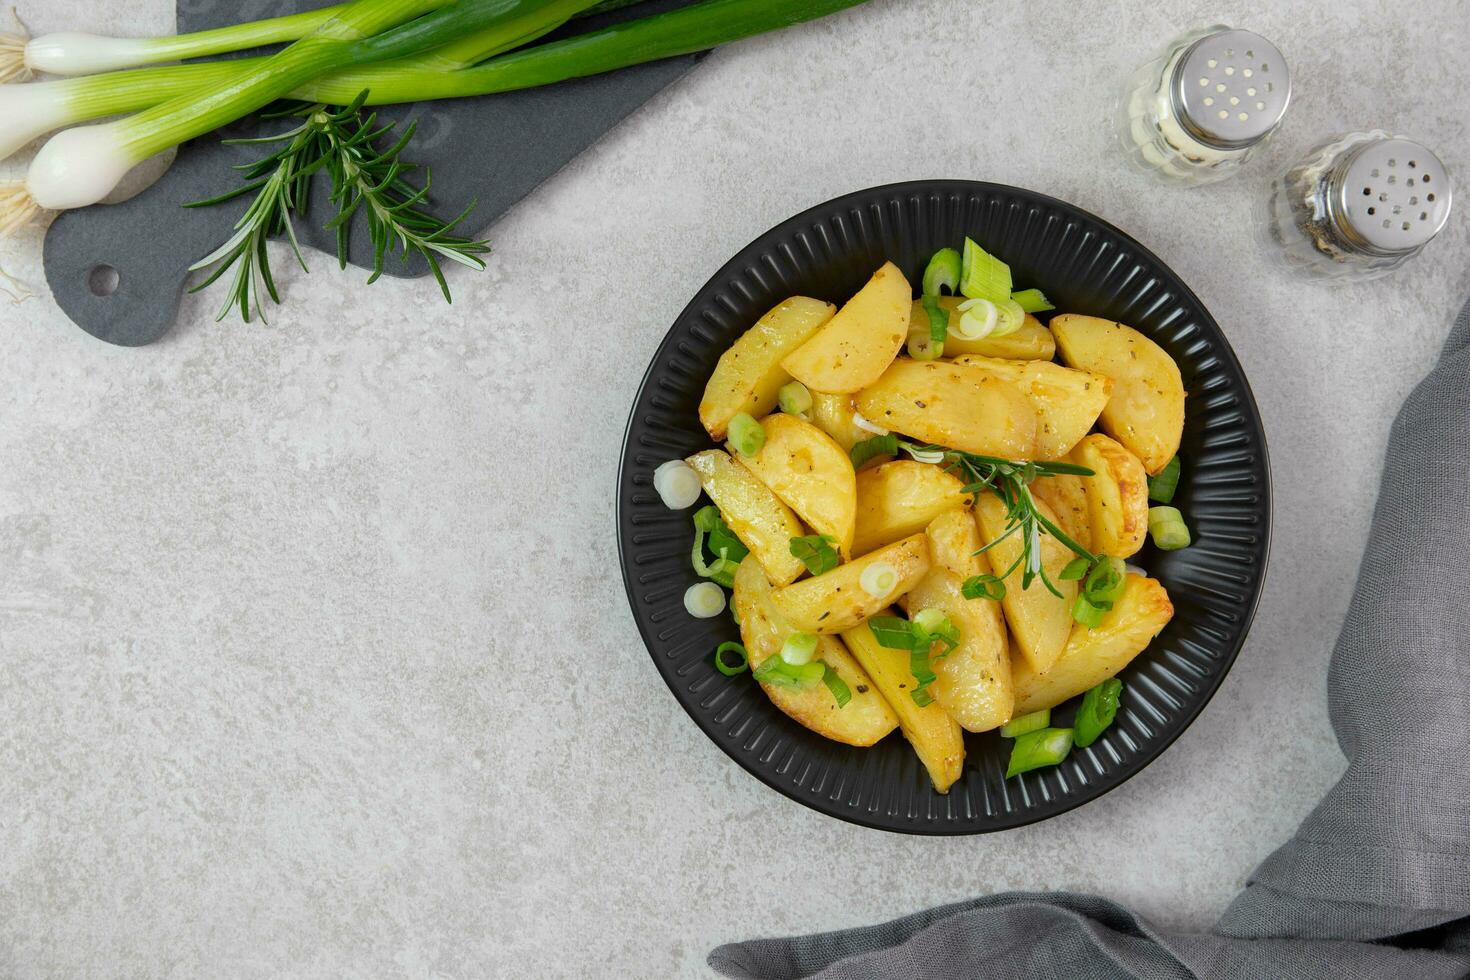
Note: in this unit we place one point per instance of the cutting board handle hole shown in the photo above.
(103, 280)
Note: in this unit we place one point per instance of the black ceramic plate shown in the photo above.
(1084, 265)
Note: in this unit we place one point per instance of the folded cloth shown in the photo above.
(1376, 882)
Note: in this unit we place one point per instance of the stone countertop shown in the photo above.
(314, 653)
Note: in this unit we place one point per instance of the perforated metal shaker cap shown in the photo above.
(1391, 194)
(1231, 88)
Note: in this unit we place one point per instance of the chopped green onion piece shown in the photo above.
(1047, 747)
(775, 670)
(1167, 528)
(704, 600)
(727, 668)
(922, 697)
(919, 667)
(1076, 568)
(921, 345)
(942, 273)
(811, 672)
(794, 398)
(1098, 709)
(799, 649)
(983, 587)
(983, 276)
(1009, 318)
(879, 579)
(876, 446)
(841, 693)
(978, 318)
(729, 550)
(1032, 300)
(746, 434)
(1104, 584)
(815, 551)
(931, 620)
(1086, 613)
(1026, 724)
(892, 632)
(1161, 488)
(938, 322)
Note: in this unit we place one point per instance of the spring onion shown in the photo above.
(1086, 613)
(799, 649)
(727, 668)
(81, 166)
(978, 319)
(746, 434)
(728, 550)
(1026, 724)
(892, 632)
(677, 484)
(775, 670)
(942, 274)
(930, 626)
(920, 343)
(931, 620)
(704, 600)
(1009, 317)
(983, 587)
(983, 276)
(816, 552)
(1032, 300)
(866, 426)
(1047, 747)
(1161, 488)
(1098, 709)
(841, 693)
(1167, 528)
(923, 455)
(1104, 584)
(879, 579)
(794, 398)
(884, 445)
(1076, 569)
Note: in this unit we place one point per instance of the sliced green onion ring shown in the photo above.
(978, 318)
(879, 579)
(794, 398)
(1025, 724)
(1009, 318)
(799, 649)
(676, 484)
(1161, 488)
(1086, 613)
(746, 434)
(704, 600)
(943, 272)
(841, 693)
(1167, 528)
(724, 666)
(1046, 747)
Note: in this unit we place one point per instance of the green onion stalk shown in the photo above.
(81, 166)
(31, 111)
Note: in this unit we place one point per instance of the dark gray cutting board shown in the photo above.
(493, 150)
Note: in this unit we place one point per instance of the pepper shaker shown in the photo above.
(1204, 105)
(1358, 206)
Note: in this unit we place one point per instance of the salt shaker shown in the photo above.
(1199, 110)
(1358, 206)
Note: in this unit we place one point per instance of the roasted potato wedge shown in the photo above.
(757, 516)
(835, 601)
(1067, 401)
(1146, 410)
(1033, 342)
(1094, 655)
(862, 721)
(901, 498)
(974, 680)
(954, 405)
(1117, 495)
(1039, 620)
(856, 345)
(936, 737)
(1067, 498)
(833, 415)
(810, 473)
(749, 374)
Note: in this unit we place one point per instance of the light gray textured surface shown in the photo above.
(314, 658)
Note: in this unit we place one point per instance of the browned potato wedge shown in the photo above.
(936, 737)
(1117, 495)
(757, 516)
(952, 405)
(835, 601)
(749, 374)
(810, 473)
(1033, 342)
(974, 680)
(1094, 655)
(833, 415)
(1146, 410)
(862, 721)
(1039, 620)
(900, 498)
(1067, 401)
(1067, 498)
(854, 347)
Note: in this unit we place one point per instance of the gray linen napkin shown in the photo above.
(1376, 882)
